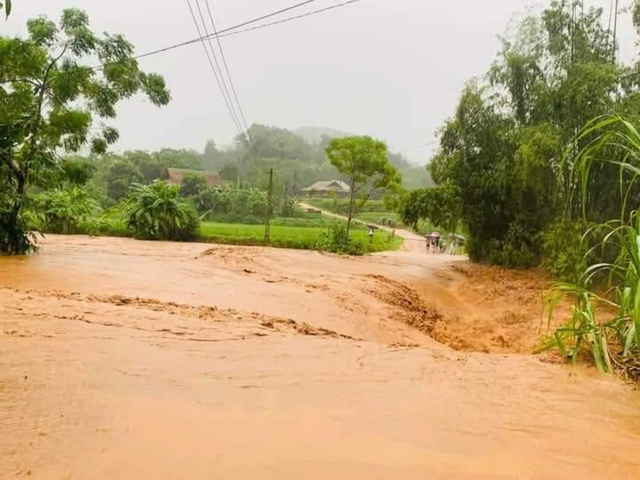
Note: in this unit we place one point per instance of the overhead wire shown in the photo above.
(226, 30)
(226, 67)
(213, 68)
(424, 145)
(221, 75)
(288, 19)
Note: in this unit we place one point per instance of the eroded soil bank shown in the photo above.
(125, 359)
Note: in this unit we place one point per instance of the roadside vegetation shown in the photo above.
(539, 166)
(606, 296)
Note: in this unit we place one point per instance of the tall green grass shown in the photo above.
(605, 318)
(305, 238)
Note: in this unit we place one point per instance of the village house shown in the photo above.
(329, 188)
(174, 176)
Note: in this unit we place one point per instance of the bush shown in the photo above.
(64, 210)
(564, 251)
(521, 247)
(336, 240)
(158, 212)
(193, 184)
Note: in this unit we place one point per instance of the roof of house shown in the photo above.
(328, 186)
(175, 176)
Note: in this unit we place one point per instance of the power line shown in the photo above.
(226, 30)
(215, 59)
(213, 68)
(226, 67)
(424, 145)
(288, 19)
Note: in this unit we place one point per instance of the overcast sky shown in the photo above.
(392, 69)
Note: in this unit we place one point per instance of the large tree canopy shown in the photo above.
(504, 149)
(50, 100)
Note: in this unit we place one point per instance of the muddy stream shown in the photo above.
(133, 360)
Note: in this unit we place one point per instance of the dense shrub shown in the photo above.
(64, 210)
(336, 240)
(564, 250)
(158, 212)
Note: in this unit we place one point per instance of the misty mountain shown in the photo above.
(313, 135)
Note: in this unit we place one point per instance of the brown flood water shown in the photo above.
(131, 360)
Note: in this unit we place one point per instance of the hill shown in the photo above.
(314, 135)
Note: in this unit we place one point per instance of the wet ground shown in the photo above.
(122, 359)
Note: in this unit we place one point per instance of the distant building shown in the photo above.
(328, 188)
(174, 176)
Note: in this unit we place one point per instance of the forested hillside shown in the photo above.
(296, 163)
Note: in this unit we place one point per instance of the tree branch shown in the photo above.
(40, 104)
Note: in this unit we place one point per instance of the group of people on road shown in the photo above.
(435, 244)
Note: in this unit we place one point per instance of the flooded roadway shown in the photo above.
(123, 359)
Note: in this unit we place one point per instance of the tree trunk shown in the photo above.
(11, 237)
(351, 205)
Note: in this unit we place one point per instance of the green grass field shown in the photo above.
(305, 238)
(341, 205)
(301, 232)
(302, 219)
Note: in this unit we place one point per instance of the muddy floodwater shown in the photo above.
(133, 360)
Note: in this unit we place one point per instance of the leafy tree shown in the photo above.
(49, 101)
(157, 212)
(120, 176)
(273, 142)
(211, 155)
(192, 185)
(182, 158)
(364, 162)
(77, 171)
(440, 205)
(229, 172)
(148, 164)
(65, 210)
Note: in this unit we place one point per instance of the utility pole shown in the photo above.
(267, 213)
(615, 31)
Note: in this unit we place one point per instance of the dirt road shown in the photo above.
(412, 241)
(134, 360)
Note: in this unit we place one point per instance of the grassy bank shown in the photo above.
(302, 219)
(305, 238)
(305, 232)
